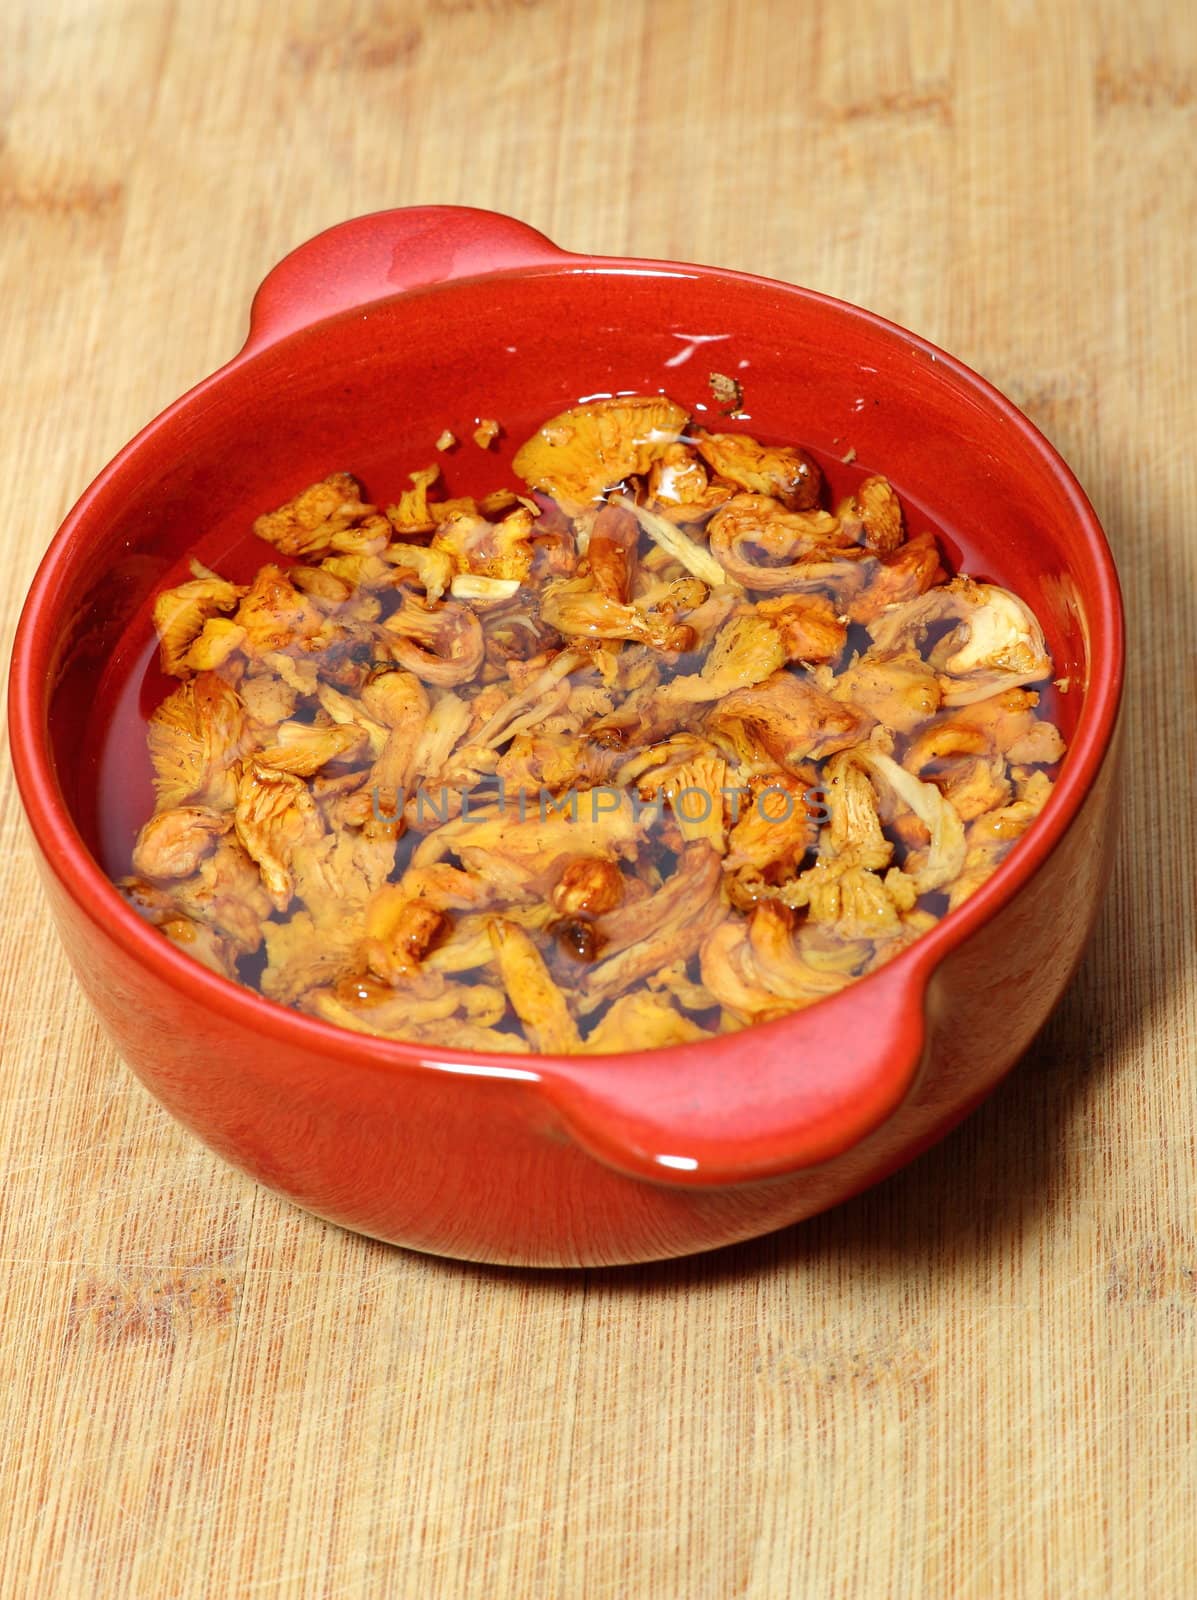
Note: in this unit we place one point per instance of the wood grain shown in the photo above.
(976, 1381)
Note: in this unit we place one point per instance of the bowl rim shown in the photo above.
(84, 881)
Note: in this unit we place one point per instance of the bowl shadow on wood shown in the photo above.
(968, 1198)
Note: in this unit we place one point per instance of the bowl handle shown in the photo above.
(372, 257)
(759, 1103)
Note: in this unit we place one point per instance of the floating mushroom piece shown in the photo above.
(588, 449)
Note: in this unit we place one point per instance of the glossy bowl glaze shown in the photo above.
(363, 345)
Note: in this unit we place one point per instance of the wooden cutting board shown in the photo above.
(977, 1381)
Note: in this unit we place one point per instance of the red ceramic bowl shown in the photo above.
(363, 345)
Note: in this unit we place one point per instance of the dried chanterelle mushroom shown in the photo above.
(655, 748)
